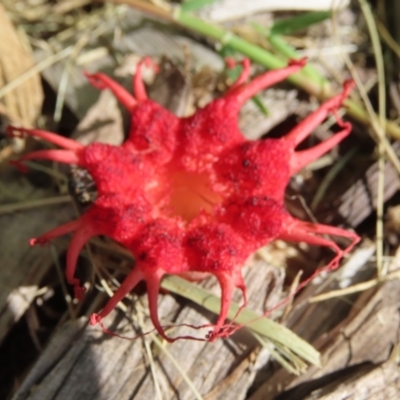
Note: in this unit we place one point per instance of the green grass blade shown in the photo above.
(194, 5)
(289, 52)
(288, 26)
(260, 104)
(270, 61)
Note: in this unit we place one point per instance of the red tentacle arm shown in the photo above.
(228, 282)
(101, 82)
(62, 156)
(265, 80)
(305, 127)
(302, 158)
(56, 232)
(78, 241)
(84, 230)
(65, 143)
(227, 288)
(153, 287)
(138, 84)
(244, 75)
(126, 287)
(322, 229)
(302, 231)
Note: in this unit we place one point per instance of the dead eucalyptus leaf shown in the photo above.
(23, 102)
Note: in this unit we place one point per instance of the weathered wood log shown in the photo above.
(359, 201)
(367, 335)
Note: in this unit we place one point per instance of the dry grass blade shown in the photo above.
(380, 129)
(67, 297)
(150, 358)
(388, 38)
(63, 86)
(29, 204)
(25, 101)
(185, 377)
(69, 5)
(377, 123)
(376, 45)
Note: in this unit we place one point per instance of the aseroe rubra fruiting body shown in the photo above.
(191, 196)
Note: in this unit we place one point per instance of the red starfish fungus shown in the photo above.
(191, 196)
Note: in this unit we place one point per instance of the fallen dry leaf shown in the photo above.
(23, 103)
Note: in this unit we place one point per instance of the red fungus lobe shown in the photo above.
(192, 196)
